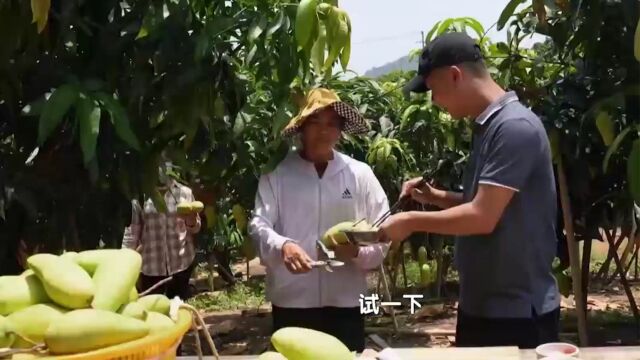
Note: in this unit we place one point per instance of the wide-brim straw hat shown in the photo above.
(319, 99)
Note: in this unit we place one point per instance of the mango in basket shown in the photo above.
(271, 355)
(71, 255)
(158, 322)
(133, 294)
(90, 259)
(19, 292)
(66, 283)
(90, 329)
(6, 338)
(156, 303)
(27, 272)
(114, 279)
(133, 310)
(307, 344)
(30, 324)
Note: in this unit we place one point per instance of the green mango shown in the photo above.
(6, 338)
(19, 292)
(114, 278)
(30, 324)
(158, 322)
(133, 294)
(71, 255)
(156, 303)
(27, 272)
(90, 329)
(66, 283)
(134, 310)
(90, 259)
(271, 355)
(307, 344)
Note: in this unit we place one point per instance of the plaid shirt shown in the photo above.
(155, 235)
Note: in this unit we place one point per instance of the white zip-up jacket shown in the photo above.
(294, 204)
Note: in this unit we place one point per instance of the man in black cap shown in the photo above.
(505, 217)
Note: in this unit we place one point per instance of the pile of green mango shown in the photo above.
(79, 302)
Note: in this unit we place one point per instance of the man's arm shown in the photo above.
(442, 198)
(479, 216)
(514, 150)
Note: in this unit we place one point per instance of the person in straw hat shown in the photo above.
(314, 188)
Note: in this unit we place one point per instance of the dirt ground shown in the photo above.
(610, 322)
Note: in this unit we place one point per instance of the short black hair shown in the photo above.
(477, 68)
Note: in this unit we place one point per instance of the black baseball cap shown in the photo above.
(445, 50)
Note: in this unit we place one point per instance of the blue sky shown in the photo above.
(384, 30)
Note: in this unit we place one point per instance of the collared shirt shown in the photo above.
(156, 235)
(294, 204)
(507, 273)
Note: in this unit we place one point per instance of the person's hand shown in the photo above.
(190, 220)
(394, 229)
(344, 252)
(425, 195)
(295, 258)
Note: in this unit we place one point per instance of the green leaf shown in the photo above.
(432, 31)
(119, 119)
(54, 110)
(475, 25)
(88, 118)
(508, 12)
(445, 25)
(277, 25)
(407, 113)
(613, 148)
(257, 29)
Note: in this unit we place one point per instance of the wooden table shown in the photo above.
(498, 353)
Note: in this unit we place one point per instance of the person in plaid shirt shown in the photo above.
(165, 241)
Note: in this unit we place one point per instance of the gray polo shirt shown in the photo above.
(507, 273)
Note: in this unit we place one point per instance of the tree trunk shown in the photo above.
(586, 269)
(574, 256)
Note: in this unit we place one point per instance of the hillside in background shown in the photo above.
(401, 64)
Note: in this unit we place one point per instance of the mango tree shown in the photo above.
(93, 96)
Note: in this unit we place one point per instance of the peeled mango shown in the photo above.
(30, 324)
(337, 232)
(114, 279)
(90, 259)
(156, 303)
(193, 207)
(158, 322)
(66, 283)
(271, 355)
(90, 329)
(307, 344)
(19, 292)
(6, 338)
(134, 310)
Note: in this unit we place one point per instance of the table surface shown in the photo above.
(501, 353)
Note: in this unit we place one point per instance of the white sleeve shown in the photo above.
(262, 225)
(372, 256)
